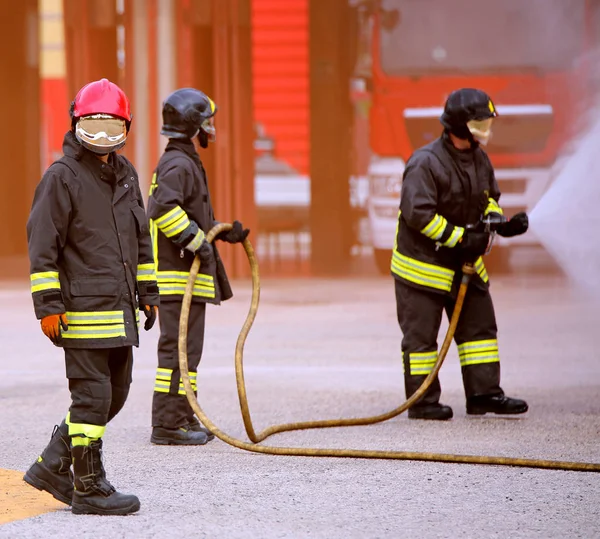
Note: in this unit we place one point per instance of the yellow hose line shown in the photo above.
(256, 447)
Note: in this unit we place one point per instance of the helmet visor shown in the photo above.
(208, 126)
(481, 130)
(102, 132)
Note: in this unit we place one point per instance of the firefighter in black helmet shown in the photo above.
(181, 213)
(447, 185)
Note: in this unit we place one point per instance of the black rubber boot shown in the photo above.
(180, 436)
(437, 411)
(495, 404)
(52, 470)
(196, 426)
(93, 494)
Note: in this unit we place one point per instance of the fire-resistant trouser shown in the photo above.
(99, 381)
(170, 408)
(420, 317)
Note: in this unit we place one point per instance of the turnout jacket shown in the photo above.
(443, 190)
(90, 250)
(179, 203)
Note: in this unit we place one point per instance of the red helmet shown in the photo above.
(101, 97)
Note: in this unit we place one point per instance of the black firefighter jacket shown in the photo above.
(443, 190)
(90, 250)
(178, 195)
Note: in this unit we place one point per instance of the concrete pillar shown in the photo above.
(331, 118)
(20, 137)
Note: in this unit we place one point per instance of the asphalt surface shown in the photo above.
(325, 349)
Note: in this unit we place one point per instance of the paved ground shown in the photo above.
(322, 349)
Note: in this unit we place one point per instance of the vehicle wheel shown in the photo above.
(383, 260)
(498, 260)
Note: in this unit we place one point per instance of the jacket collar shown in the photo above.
(72, 148)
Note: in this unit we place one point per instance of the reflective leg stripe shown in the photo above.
(162, 383)
(146, 272)
(481, 271)
(422, 273)
(478, 352)
(435, 228)
(493, 207)
(173, 222)
(95, 325)
(421, 363)
(84, 431)
(44, 280)
(174, 283)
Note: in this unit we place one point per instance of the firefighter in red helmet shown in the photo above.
(91, 269)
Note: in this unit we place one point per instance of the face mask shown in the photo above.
(208, 126)
(481, 130)
(101, 133)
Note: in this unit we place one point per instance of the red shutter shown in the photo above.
(280, 77)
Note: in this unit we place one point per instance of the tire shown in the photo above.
(383, 260)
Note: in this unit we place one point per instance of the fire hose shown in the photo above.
(255, 438)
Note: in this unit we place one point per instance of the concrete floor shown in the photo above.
(325, 349)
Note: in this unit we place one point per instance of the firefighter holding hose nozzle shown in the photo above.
(449, 210)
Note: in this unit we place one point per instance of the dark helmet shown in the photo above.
(464, 106)
(187, 112)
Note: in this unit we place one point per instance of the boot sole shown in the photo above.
(480, 411)
(168, 441)
(83, 509)
(44, 486)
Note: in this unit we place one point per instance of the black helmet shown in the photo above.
(187, 112)
(463, 106)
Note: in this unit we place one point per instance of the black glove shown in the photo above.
(205, 252)
(518, 224)
(474, 244)
(150, 311)
(236, 235)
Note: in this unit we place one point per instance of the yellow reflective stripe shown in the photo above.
(422, 273)
(153, 184)
(90, 318)
(170, 217)
(493, 206)
(177, 227)
(457, 234)
(435, 228)
(182, 276)
(179, 290)
(44, 280)
(162, 383)
(94, 332)
(477, 352)
(422, 362)
(481, 271)
(78, 441)
(146, 272)
(84, 429)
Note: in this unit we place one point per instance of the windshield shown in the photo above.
(482, 35)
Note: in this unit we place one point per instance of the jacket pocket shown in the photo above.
(94, 287)
(140, 219)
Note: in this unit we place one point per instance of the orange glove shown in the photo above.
(51, 325)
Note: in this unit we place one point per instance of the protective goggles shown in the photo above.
(101, 133)
(481, 130)
(208, 126)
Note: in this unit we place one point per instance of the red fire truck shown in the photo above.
(534, 57)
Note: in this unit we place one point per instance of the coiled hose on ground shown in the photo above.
(255, 446)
